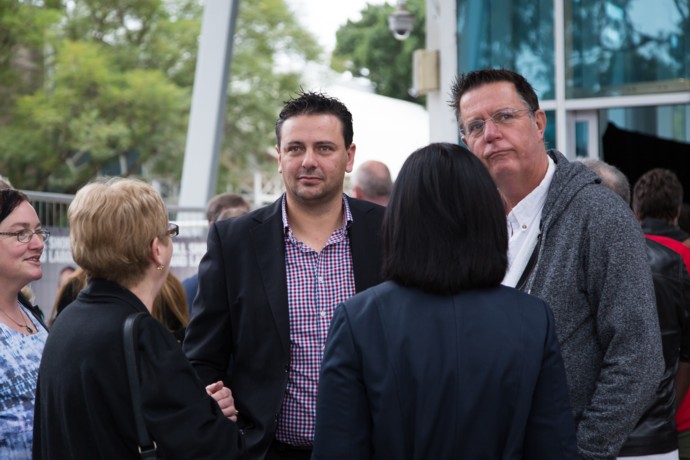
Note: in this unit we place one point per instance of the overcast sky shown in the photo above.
(323, 17)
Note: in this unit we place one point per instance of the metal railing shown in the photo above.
(52, 212)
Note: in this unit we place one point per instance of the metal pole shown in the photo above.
(207, 116)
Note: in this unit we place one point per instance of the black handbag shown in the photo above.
(147, 446)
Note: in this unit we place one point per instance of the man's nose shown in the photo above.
(491, 130)
(309, 159)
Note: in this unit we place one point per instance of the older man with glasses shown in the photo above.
(576, 245)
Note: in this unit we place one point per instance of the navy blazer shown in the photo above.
(412, 375)
(240, 325)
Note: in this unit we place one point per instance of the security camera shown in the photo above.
(401, 22)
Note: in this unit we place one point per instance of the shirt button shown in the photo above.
(524, 227)
(323, 313)
(320, 279)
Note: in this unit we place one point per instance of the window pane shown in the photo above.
(626, 47)
(581, 139)
(513, 34)
(671, 122)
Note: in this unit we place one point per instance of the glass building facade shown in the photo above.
(592, 62)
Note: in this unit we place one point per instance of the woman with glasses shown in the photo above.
(441, 361)
(120, 236)
(22, 333)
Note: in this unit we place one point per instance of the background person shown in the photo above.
(657, 202)
(654, 436)
(68, 291)
(577, 246)
(120, 236)
(270, 280)
(170, 307)
(372, 182)
(440, 361)
(222, 206)
(22, 335)
(65, 273)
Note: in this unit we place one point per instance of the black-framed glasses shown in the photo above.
(172, 231)
(475, 128)
(24, 236)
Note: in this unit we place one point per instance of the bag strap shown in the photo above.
(147, 447)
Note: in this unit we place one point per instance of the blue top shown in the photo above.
(20, 356)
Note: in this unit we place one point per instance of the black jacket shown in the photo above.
(240, 326)
(655, 433)
(83, 406)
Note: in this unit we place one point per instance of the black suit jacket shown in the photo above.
(240, 326)
(83, 405)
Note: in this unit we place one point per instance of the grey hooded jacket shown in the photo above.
(592, 268)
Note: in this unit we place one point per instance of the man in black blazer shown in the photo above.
(271, 279)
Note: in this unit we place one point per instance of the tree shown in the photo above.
(117, 90)
(22, 27)
(366, 48)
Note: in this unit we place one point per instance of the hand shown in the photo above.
(223, 397)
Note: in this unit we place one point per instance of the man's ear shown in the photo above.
(540, 121)
(280, 168)
(350, 157)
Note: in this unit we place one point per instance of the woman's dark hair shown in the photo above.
(9, 200)
(444, 229)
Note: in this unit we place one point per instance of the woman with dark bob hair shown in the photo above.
(121, 237)
(441, 361)
(22, 332)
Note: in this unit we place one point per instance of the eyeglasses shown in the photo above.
(505, 117)
(172, 231)
(24, 236)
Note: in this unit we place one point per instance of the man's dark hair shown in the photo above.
(224, 201)
(658, 194)
(444, 229)
(476, 78)
(9, 200)
(311, 103)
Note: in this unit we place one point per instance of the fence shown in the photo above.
(52, 212)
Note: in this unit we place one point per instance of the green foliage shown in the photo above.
(367, 48)
(92, 114)
(116, 83)
(23, 28)
(270, 50)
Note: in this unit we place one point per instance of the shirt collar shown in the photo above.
(523, 213)
(347, 215)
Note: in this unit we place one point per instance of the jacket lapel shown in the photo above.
(267, 239)
(365, 244)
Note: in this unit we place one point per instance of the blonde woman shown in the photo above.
(121, 237)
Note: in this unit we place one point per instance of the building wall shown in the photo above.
(591, 62)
